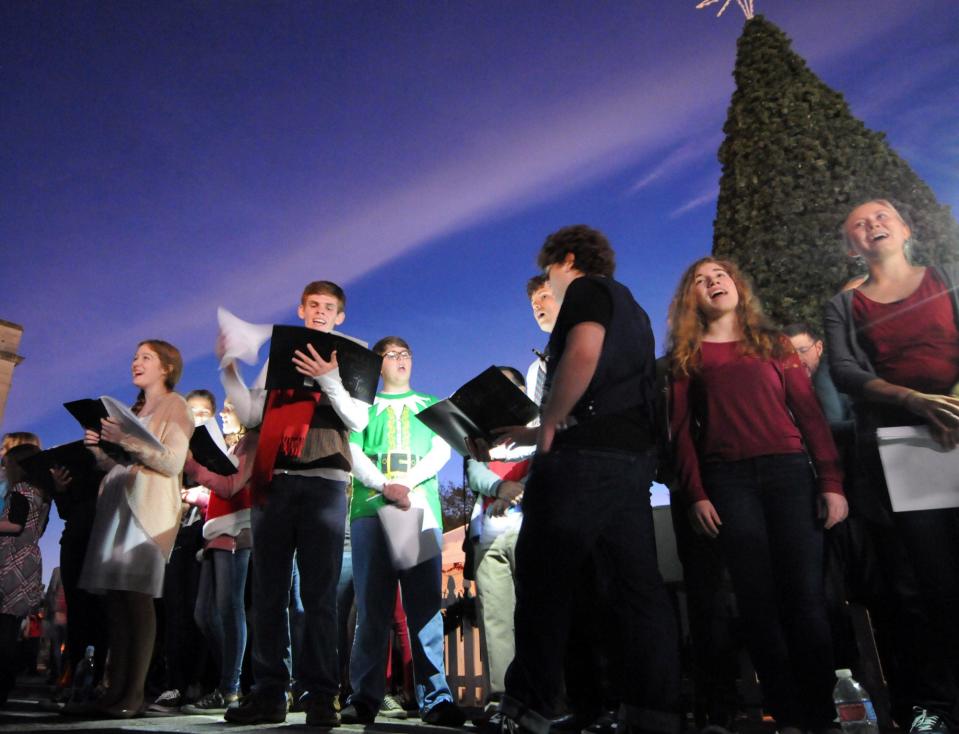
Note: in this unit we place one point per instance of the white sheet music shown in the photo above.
(920, 474)
(412, 535)
(130, 423)
(242, 340)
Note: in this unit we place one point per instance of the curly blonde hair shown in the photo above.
(687, 324)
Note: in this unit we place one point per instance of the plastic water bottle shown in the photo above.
(853, 705)
(83, 678)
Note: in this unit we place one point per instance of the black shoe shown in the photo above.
(255, 710)
(357, 713)
(320, 711)
(605, 723)
(445, 713)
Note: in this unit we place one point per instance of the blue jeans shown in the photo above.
(302, 517)
(375, 581)
(583, 507)
(220, 612)
(773, 544)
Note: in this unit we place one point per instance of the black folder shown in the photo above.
(206, 452)
(89, 412)
(73, 456)
(359, 367)
(490, 400)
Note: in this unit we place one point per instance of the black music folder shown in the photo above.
(73, 456)
(89, 412)
(359, 367)
(209, 449)
(490, 400)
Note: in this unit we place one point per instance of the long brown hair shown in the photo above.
(687, 324)
(171, 361)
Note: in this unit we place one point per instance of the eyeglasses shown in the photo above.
(399, 355)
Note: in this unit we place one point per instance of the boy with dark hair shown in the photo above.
(588, 493)
(299, 509)
(395, 458)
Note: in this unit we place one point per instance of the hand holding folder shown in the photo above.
(359, 367)
(471, 414)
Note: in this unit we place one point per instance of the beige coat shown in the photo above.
(154, 481)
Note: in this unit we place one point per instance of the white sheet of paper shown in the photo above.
(920, 474)
(242, 339)
(411, 534)
(130, 423)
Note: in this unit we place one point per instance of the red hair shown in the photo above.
(687, 324)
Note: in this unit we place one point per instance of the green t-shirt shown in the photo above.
(394, 431)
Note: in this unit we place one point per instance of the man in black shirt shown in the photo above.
(588, 494)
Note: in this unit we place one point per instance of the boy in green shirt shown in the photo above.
(395, 457)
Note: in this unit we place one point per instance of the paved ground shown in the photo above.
(24, 713)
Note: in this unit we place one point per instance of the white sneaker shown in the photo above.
(926, 723)
(167, 702)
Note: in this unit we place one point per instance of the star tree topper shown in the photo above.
(745, 5)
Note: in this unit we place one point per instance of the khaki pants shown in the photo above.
(495, 565)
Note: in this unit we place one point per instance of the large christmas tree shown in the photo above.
(794, 162)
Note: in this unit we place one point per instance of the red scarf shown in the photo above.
(286, 421)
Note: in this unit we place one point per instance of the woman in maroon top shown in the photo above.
(894, 347)
(742, 411)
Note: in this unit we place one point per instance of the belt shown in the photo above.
(395, 462)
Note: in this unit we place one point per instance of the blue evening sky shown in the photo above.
(160, 159)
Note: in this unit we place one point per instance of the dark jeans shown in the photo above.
(578, 505)
(910, 648)
(773, 543)
(185, 651)
(9, 639)
(914, 607)
(220, 612)
(715, 652)
(304, 516)
(344, 608)
(85, 617)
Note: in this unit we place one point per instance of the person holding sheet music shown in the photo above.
(893, 346)
(588, 493)
(220, 610)
(395, 460)
(298, 486)
(137, 518)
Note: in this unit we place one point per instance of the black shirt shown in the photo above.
(587, 300)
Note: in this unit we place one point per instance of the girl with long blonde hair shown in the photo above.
(743, 413)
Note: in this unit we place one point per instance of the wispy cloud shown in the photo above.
(677, 160)
(695, 203)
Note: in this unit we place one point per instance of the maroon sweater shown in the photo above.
(912, 342)
(738, 407)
